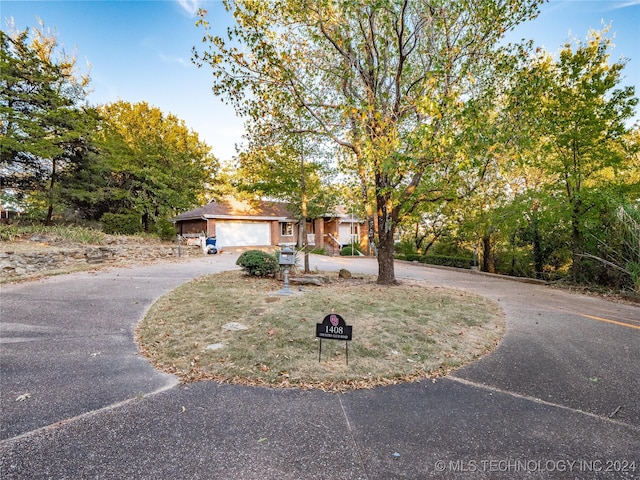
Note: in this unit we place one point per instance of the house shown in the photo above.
(237, 223)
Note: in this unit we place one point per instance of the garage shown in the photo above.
(231, 233)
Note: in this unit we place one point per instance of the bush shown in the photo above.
(443, 260)
(351, 249)
(165, 229)
(409, 257)
(458, 262)
(405, 247)
(258, 263)
(67, 233)
(124, 223)
(8, 233)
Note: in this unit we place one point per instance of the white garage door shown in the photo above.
(243, 234)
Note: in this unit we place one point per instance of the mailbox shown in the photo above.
(287, 257)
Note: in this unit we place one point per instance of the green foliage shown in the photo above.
(442, 260)
(574, 106)
(45, 126)
(351, 250)
(406, 247)
(457, 262)
(8, 233)
(150, 163)
(122, 223)
(165, 229)
(54, 232)
(258, 263)
(400, 104)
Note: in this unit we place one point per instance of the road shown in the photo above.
(558, 398)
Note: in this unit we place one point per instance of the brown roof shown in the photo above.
(232, 208)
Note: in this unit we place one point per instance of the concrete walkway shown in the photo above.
(557, 399)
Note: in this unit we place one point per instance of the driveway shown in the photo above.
(558, 398)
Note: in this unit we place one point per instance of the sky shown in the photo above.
(141, 50)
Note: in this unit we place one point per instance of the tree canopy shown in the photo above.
(155, 166)
(44, 122)
(389, 82)
(575, 112)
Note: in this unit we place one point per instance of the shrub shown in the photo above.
(165, 229)
(410, 257)
(405, 247)
(8, 233)
(351, 249)
(67, 233)
(443, 260)
(258, 263)
(124, 223)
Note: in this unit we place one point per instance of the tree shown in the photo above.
(575, 110)
(156, 166)
(277, 165)
(389, 81)
(44, 124)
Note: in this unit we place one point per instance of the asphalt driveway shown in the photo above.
(557, 399)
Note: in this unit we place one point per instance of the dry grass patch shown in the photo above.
(400, 333)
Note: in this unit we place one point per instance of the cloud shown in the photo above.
(190, 6)
(623, 4)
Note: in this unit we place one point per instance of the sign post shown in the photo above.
(333, 327)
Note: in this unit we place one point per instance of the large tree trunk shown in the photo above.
(386, 266)
(488, 264)
(386, 244)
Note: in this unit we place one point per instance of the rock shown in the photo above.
(234, 326)
(309, 280)
(344, 273)
(42, 259)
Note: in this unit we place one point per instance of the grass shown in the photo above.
(75, 234)
(400, 333)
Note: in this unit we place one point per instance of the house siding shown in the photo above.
(325, 229)
(189, 227)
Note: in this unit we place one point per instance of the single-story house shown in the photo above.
(237, 223)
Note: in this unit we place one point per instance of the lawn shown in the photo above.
(401, 333)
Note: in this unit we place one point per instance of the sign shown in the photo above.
(334, 327)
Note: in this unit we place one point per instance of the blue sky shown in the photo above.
(141, 50)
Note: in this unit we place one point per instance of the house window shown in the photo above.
(286, 229)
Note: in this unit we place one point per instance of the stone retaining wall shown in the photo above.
(51, 259)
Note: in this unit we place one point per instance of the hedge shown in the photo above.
(442, 260)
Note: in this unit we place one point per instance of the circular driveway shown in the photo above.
(558, 398)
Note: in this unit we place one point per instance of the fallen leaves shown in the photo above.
(276, 348)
